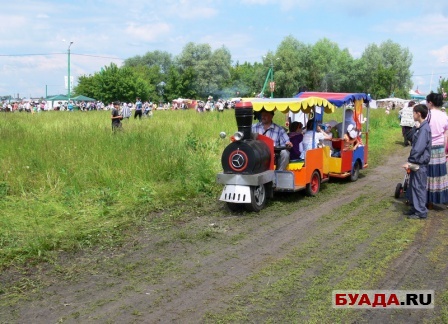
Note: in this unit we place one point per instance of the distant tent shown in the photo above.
(416, 95)
(82, 98)
(59, 97)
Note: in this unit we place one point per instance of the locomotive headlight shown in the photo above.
(222, 135)
(238, 136)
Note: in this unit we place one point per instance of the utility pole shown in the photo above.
(68, 80)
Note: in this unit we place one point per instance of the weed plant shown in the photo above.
(68, 182)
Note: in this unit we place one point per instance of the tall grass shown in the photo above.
(67, 181)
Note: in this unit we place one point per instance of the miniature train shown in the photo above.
(249, 161)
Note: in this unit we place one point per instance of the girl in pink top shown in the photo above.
(437, 171)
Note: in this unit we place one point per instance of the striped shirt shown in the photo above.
(275, 132)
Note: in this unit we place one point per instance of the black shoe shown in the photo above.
(415, 216)
(409, 212)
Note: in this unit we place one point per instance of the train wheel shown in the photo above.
(355, 172)
(233, 207)
(313, 187)
(398, 190)
(257, 197)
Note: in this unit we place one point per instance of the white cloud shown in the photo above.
(42, 16)
(197, 12)
(148, 33)
(237, 42)
(441, 54)
(432, 25)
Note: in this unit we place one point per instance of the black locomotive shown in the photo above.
(245, 155)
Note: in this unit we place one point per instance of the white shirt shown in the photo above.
(308, 141)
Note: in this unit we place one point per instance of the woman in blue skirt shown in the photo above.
(437, 171)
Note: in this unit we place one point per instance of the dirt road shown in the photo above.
(276, 266)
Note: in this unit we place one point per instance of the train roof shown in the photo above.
(336, 98)
(292, 104)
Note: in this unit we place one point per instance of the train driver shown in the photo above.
(277, 133)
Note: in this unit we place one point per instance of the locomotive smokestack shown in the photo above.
(244, 114)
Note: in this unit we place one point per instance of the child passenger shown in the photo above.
(329, 131)
(351, 141)
(296, 137)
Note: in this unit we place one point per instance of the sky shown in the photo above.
(35, 34)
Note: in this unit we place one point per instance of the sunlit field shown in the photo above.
(68, 182)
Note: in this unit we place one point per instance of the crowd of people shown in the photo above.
(33, 106)
(123, 110)
(42, 105)
(209, 105)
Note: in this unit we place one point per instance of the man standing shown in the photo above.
(276, 133)
(418, 163)
(138, 108)
(116, 116)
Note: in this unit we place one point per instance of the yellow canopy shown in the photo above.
(292, 104)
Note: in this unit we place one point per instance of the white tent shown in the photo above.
(395, 100)
(387, 102)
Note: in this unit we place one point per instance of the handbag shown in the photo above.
(414, 167)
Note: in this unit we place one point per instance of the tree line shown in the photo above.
(198, 72)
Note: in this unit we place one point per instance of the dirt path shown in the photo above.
(199, 269)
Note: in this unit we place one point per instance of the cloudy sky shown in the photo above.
(33, 55)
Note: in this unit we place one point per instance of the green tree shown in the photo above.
(385, 70)
(242, 81)
(290, 66)
(323, 65)
(198, 72)
(114, 83)
(211, 69)
(161, 59)
(173, 86)
(189, 77)
(344, 77)
(443, 86)
(87, 86)
(151, 76)
(153, 67)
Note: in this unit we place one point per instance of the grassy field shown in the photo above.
(67, 182)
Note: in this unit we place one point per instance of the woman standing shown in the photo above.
(437, 173)
(407, 120)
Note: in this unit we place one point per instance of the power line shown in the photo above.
(109, 57)
(46, 54)
(430, 74)
(30, 54)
